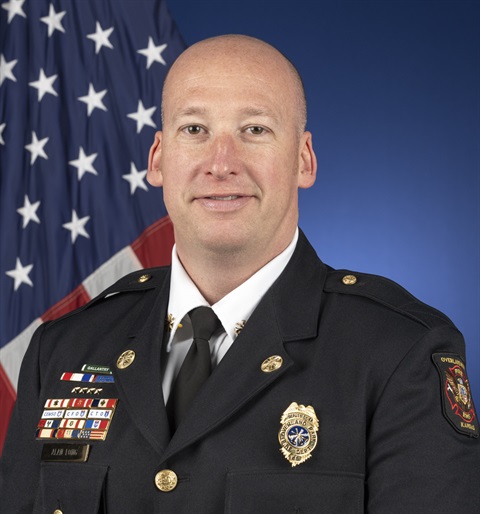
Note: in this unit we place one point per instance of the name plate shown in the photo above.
(55, 452)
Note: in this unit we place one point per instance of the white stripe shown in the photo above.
(12, 353)
(122, 263)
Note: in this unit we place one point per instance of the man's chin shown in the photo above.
(221, 245)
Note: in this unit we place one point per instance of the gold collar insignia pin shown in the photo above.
(298, 435)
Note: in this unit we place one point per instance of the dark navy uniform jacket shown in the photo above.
(397, 431)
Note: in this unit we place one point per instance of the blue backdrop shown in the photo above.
(393, 92)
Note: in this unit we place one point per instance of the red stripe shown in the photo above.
(154, 245)
(75, 299)
(7, 401)
(80, 402)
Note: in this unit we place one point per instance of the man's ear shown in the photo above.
(154, 175)
(307, 165)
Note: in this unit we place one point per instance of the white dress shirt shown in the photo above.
(233, 311)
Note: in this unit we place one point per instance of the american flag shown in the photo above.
(80, 91)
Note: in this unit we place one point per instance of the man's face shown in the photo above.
(231, 156)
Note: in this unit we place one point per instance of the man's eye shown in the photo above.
(256, 131)
(193, 129)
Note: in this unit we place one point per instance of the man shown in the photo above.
(331, 391)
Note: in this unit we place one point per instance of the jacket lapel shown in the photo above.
(288, 312)
(140, 384)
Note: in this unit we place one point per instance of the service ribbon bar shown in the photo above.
(78, 418)
(88, 377)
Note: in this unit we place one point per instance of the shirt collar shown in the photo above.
(234, 309)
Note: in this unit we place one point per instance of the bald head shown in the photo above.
(232, 51)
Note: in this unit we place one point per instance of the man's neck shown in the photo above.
(217, 274)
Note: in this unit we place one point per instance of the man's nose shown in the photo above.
(223, 156)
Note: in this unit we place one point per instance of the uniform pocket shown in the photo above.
(294, 493)
(73, 488)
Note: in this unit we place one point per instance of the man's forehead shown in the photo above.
(250, 90)
(218, 70)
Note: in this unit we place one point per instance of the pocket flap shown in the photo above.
(73, 488)
(294, 492)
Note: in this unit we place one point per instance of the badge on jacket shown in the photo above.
(298, 434)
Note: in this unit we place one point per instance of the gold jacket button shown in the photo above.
(57, 511)
(166, 480)
(272, 364)
(349, 280)
(125, 359)
(144, 278)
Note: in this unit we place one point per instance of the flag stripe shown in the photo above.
(153, 247)
(123, 262)
(75, 299)
(7, 401)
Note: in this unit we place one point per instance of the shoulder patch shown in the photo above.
(456, 395)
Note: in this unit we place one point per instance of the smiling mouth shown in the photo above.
(223, 198)
(224, 203)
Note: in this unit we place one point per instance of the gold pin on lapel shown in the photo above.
(298, 435)
(239, 326)
(170, 321)
(144, 278)
(272, 363)
(125, 359)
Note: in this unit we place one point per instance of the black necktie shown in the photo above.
(196, 367)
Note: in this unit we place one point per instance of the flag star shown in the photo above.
(14, 7)
(94, 99)
(143, 116)
(36, 148)
(44, 84)
(29, 211)
(135, 178)
(6, 68)
(2, 128)
(153, 53)
(100, 37)
(84, 163)
(54, 20)
(20, 274)
(77, 226)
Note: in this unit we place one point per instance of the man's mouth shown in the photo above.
(223, 198)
